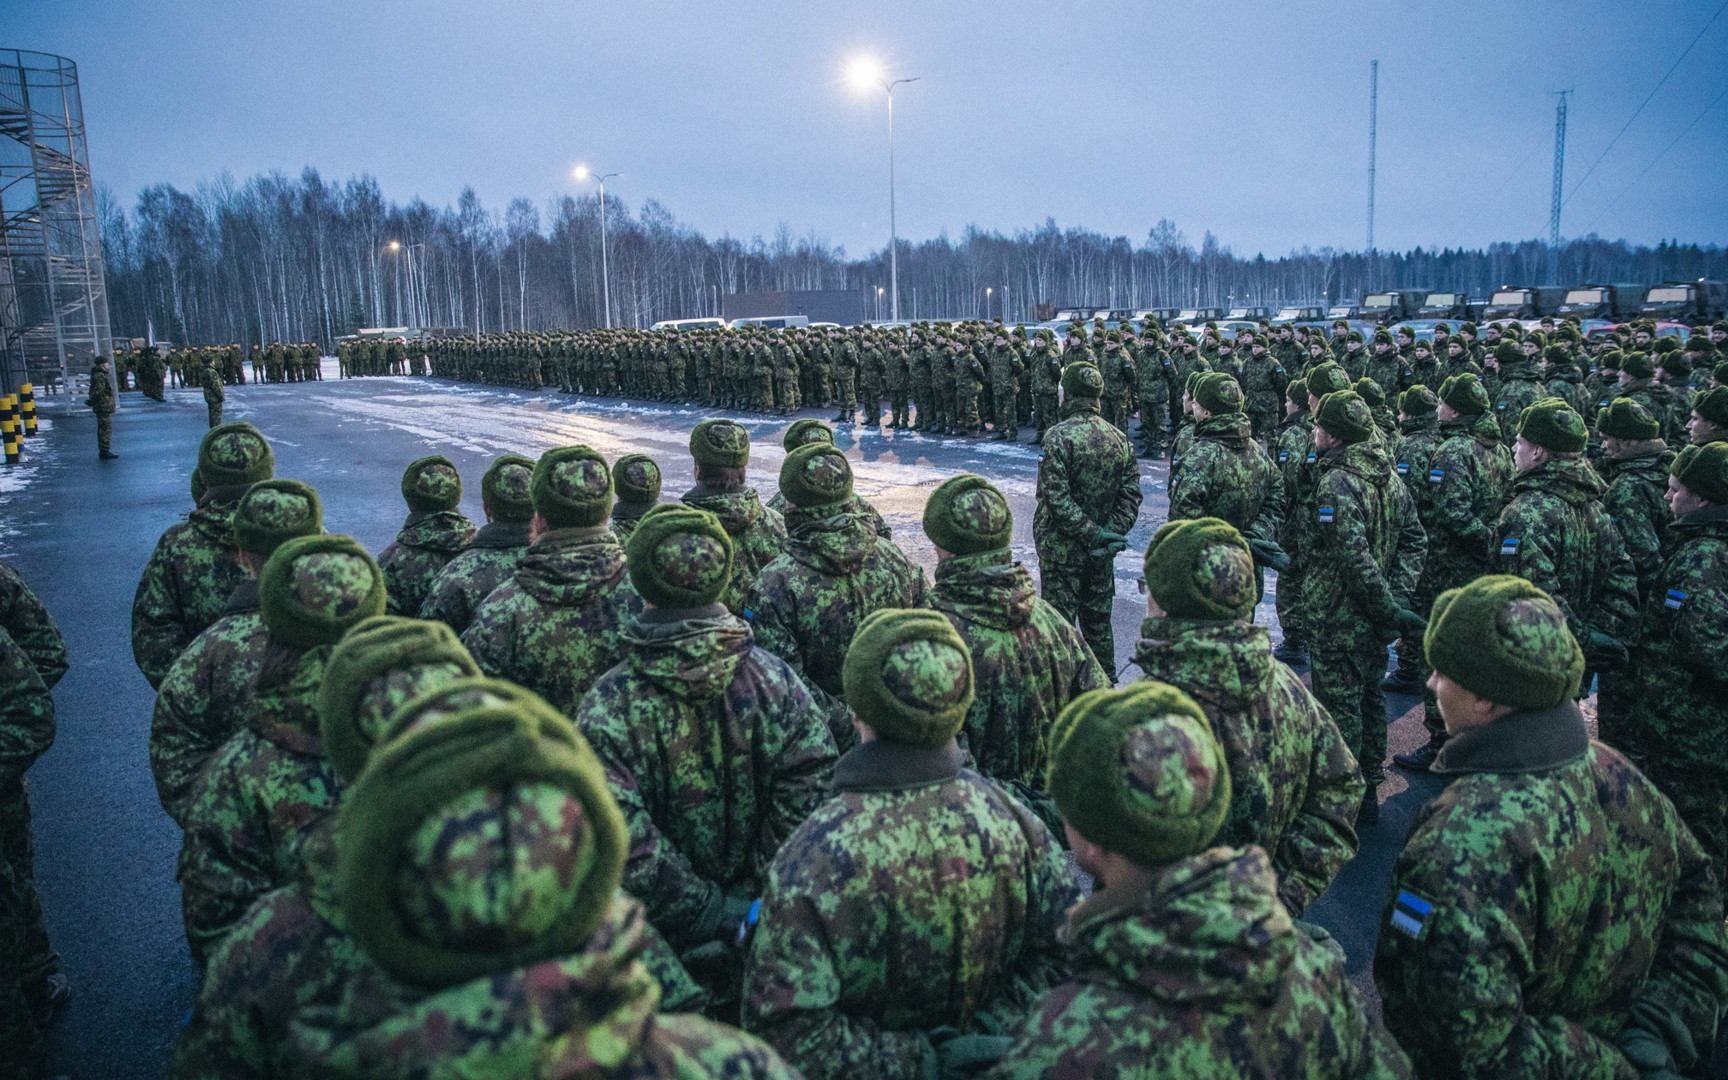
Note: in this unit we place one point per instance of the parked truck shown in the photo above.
(1444, 305)
(1615, 303)
(1695, 302)
(1522, 302)
(1397, 305)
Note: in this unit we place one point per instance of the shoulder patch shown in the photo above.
(1435, 476)
(1328, 515)
(1283, 456)
(1410, 914)
(1674, 600)
(1403, 468)
(1312, 457)
(1509, 546)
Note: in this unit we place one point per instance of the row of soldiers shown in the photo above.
(360, 357)
(152, 371)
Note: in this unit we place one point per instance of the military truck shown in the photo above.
(1249, 313)
(1192, 315)
(1615, 303)
(1523, 302)
(1444, 305)
(1386, 308)
(1695, 302)
(1309, 313)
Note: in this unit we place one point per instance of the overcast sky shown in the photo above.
(1248, 118)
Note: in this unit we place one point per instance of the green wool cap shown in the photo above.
(1509, 354)
(1344, 415)
(1558, 356)
(1675, 363)
(1626, 419)
(1720, 373)
(1639, 365)
(720, 444)
(1139, 772)
(508, 488)
(1609, 359)
(967, 515)
(636, 479)
(1712, 405)
(1327, 378)
(807, 431)
(314, 588)
(431, 484)
(1369, 391)
(679, 557)
(908, 675)
(815, 475)
(1466, 394)
(1664, 345)
(1082, 380)
(1703, 470)
(234, 454)
(380, 665)
(1418, 401)
(273, 512)
(572, 487)
(483, 843)
(1219, 392)
(198, 488)
(1504, 639)
(1297, 392)
(1554, 424)
(1201, 568)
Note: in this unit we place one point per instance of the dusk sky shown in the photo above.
(1249, 119)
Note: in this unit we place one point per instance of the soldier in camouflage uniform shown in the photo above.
(202, 700)
(1293, 454)
(194, 568)
(636, 480)
(490, 558)
(713, 746)
(1028, 661)
(250, 809)
(806, 432)
(835, 571)
(1225, 473)
(556, 625)
(101, 401)
(1154, 381)
(879, 954)
(1088, 498)
(1709, 420)
(1296, 786)
(1365, 559)
(1413, 452)
(721, 451)
(434, 533)
(1046, 373)
(1635, 462)
(1518, 383)
(1263, 381)
(33, 629)
(1006, 369)
(1186, 962)
(210, 378)
(31, 985)
(1549, 915)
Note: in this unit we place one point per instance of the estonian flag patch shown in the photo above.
(1403, 468)
(1509, 546)
(1410, 914)
(1436, 475)
(1328, 515)
(1674, 600)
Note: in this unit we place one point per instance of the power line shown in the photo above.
(1652, 162)
(1659, 84)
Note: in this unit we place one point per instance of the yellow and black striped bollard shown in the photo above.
(27, 409)
(9, 436)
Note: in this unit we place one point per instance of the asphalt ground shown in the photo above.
(80, 531)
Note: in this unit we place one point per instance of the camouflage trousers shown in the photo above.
(1084, 592)
(1346, 675)
(869, 402)
(1049, 410)
(966, 408)
(845, 391)
(1292, 618)
(34, 956)
(1005, 400)
(104, 431)
(23, 1047)
(213, 412)
(1152, 430)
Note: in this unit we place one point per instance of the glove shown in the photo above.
(1604, 651)
(1650, 1041)
(1647, 1053)
(1270, 553)
(1106, 542)
(970, 1055)
(1409, 623)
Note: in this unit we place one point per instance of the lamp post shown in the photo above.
(866, 73)
(582, 172)
(413, 310)
(988, 293)
(878, 303)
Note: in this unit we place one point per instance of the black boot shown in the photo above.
(1404, 679)
(1369, 814)
(1422, 758)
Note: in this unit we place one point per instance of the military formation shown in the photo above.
(611, 784)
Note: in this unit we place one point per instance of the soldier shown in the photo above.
(1366, 558)
(1417, 442)
(194, 569)
(1116, 365)
(846, 379)
(807, 432)
(636, 480)
(835, 571)
(1160, 949)
(556, 625)
(878, 953)
(1225, 473)
(251, 808)
(1549, 915)
(721, 451)
(1028, 661)
(1153, 378)
(1518, 383)
(435, 531)
(1046, 384)
(1635, 462)
(969, 380)
(1263, 382)
(101, 401)
(1088, 499)
(31, 984)
(712, 745)
(1295, 785)
(491, 557)
(1709, 420)
(202, 699)
(214, 392)
(1293, 453)
(1006, 368)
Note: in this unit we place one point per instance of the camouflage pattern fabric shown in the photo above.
(488, 562)
(1469, 475)
(920, 896)
(184, 587)
(555, 626)
(1555, 533)
(1294, 785)
(424, 546)
(758, 535)
(1520, 387)
(32, 629)
(857, 504)
(1636, 501)
(1226, 474)
(26, 957)
(1201, 973)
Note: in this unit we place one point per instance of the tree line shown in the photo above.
(304, 259)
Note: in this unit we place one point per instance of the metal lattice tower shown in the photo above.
(53, 298)
(1373, 138)
(1558, 198)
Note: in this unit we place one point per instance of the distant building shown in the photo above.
(843, 306)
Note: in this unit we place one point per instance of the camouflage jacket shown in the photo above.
(555, 626)
(102, 399)
(203, 699)
(1636, 501)
(1226, 474)
(1087, 480)
(919, 896)
(1542, 894)
(426, 544)
(856, 504)
(1027, 663)
(1154, 375)
(1294, 785)
(487, 562)
(715, 751)
(1519, 388)
(32, 628)
(1291, 449)
(1681, 664)
(1196, 970)
(1412, 457)
(1468, 475)
(252, 807)
(26, 717)
(1263, 383)
(758, 535)
(184, 587)
(624, 519)
(1368, 547)
(1555, 533)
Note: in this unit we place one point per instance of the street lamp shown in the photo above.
(988, 293)
(582, 172)
(865, 73)
(413, 310)
(878, 301)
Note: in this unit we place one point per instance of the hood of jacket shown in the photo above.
(1369, 460)
(214, 521)
(690, 654)
(501, 535)
(1231, 429)
(436, 530)
(284, 707)
(833, 540)
(1570, 479)
(737, 510)
(989, 589)
(1204, 929)
(1652, 464)
(569, 567)
(1226, 664)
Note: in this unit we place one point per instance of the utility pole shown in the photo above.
(1373, 138)
(1554, 203)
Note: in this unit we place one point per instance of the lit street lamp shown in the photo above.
(878, 302)
(865, 73)
(582, 172)
(988, 293)
(397, 246)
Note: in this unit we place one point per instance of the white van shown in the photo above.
(689, 324)
(772, 322)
